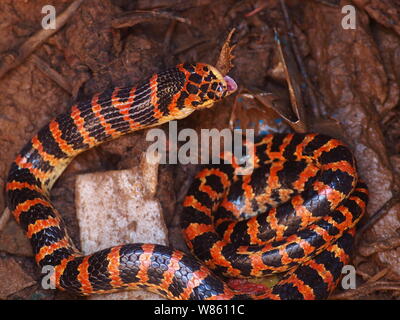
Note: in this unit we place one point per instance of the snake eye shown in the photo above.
(220, 88)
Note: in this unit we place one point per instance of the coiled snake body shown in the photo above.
(304, 186)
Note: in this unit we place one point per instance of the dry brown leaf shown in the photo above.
(12, 282)
(224, 63)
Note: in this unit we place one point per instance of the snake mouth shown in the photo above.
(230, 84)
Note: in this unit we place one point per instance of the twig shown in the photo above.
(177, 4)
(132, 18)
(379, 246)
(299, 60)
(365, 276)
(24, 51)
(168, 35)
(4, 218)
(376, 216)
(293, 80)
(256, 10)
(330, 3)
(189, 46)
(366, 289)
(379, 275)
(52, 74)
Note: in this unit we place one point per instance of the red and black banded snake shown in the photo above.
(296, 213)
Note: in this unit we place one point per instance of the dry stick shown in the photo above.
(370, 279)
(379, 246)
(189, 46)
(14, 60)
(379, 275)
(130, 19)
(296, 51)
(4, 218)
(376, 216)
(366, 289)
(365, 276)
(256, 10)
(52, 74)
(330, 3)
(168, 35)
(178, 4)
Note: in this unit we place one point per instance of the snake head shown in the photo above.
(205, 85)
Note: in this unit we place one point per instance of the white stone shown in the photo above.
(118, 207)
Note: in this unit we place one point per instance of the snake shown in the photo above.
(295, 214)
